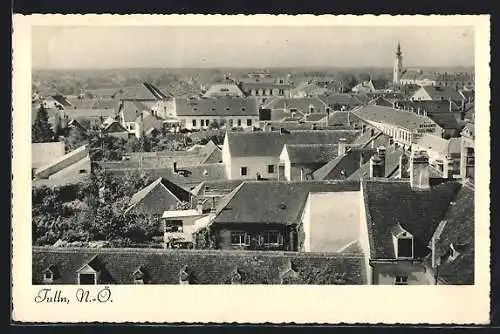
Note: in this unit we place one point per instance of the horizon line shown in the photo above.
(245, 67)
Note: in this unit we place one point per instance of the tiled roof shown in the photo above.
(132, 109)
(301, 104)
(102, 91)
(287, 125)
(105, 104)
(311, 153)
(215, 187)
(207, 267)
(281, 115)
(459, 231)
(446, 120)
(224, 106)
(245, 144)
(62, 100)
(342, 99)
(342, 118)
(392, 156)
(224, 89)
(316, 117)
(380, 84)
(439, 145)
(420, 215)
(90, 113)
(60, 181)
(446, 93)
(186, 176)
(427, 106)
(400, 118)
(142, 91)
(344, 165)
(273, 201)
(114, 127)
(159, 196)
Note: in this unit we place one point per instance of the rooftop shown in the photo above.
(420, 215)
(118, 266)
(387, 115)
(216, 107)
(310, 153)
(270, 143)
(275, 202)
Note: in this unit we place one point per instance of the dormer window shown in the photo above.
(403, 243)
(49, 275)
(405, 247)
(89, 273)
(87, 278)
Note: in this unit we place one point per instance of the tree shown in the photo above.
(41, 131)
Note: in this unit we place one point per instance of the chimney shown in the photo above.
(376, 166)
(199, 208)
(302, 174)
(419, 170)
(403, 167)
(342, 146)
(381, 150)
(175, 166)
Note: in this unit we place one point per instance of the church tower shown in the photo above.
(398, 65)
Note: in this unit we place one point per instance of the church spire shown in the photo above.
(398, 50)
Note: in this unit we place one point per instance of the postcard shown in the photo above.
(251, 169)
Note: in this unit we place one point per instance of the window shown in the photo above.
(86, 279)
(270, 169)
(224, 90)
(48, 277)
(405, 247)
(227, 108)
(82, 171)
(240, 238)
(194, 122)
(239, 122)
(401, 280)
(207, 122)
(173, 226)
(249, 122)
(243, 171)
(231, 123)
(213, 109)
(132, 126)
(202, 122)
(243, 109)
(272, 238)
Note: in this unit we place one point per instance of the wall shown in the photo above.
(364, 239)
(466, 143)
(222, 235)
(187, 121)
(166, 109)
(254, 165)
(332, 220)
(418, 274)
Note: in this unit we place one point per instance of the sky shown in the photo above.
(101, 47)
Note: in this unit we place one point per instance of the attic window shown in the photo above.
(243, 109)
(213, 109)
(282, 206)
(224, 90)
(227, 108)
(401, 280)
(87, 278)
(404, 247)
(205, 173)
(195, 109)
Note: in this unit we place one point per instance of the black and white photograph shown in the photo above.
(321, 155)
